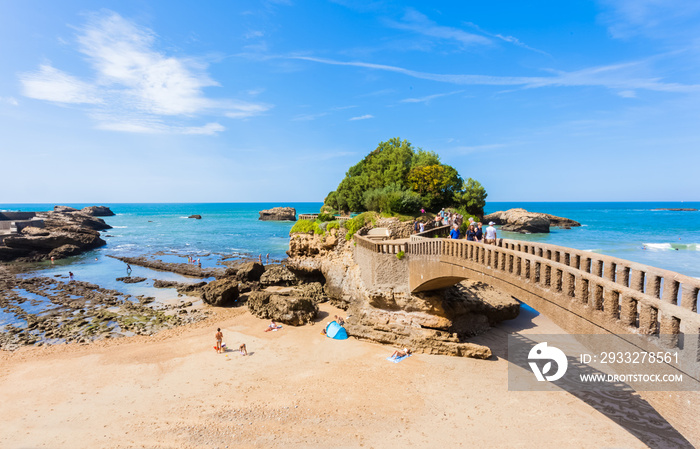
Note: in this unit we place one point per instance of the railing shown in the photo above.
(637, 297)
(381, 247)
(308, 216)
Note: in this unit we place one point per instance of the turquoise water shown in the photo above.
(672, 239)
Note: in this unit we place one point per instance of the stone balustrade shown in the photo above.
(308, 216)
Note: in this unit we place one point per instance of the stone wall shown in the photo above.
(11, 216)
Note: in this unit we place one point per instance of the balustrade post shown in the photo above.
(670, 291)
(637, 280)
(628, 311)
(623, 276)
(611, 303)
(597, 298)
(648, 319)
(670, 328)
(654, 286)
(610, 269)
(582, 290)
(597, 268)
(689, 298)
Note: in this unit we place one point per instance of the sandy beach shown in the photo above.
(296, 389)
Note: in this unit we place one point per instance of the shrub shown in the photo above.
(305, 227)
(333, 225)
(325, 217)
(354, 224)
(400, 255)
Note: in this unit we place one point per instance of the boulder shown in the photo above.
(97, 211)
(158, 283)
(131, 280)
(197, 217)
(62, 209)
(283, 307)
(520, 220)
(64, 251)
(221, 292)
(249, 271)
(278, 275)
(279, 214)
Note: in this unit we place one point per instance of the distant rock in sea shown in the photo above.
(279, 214)
(98, 211)
(524, 222)
(679, 210)
(197, 217)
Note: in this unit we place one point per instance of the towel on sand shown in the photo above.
(397, 359)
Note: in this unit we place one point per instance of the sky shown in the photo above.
(236, 100)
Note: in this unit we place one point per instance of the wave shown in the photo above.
(672, 246)
(120, 227)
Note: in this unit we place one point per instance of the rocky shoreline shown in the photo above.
(51, 310)
(57, 234)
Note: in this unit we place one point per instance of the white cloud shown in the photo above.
(421, 24)
(51, 84)
(428, 98)
(362, 117)
(627, 94)
(657, 18)
(134, 79)
(616, 76)
(12, 101)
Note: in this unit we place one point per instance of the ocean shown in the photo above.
(632, 231)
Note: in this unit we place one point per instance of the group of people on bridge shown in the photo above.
(474, 232)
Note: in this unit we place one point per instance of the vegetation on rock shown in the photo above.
(398, 179)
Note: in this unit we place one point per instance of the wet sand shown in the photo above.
(296, 389)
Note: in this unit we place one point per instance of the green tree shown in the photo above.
(437, 184)
(472, 197)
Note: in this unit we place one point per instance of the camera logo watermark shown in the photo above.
(543, 352)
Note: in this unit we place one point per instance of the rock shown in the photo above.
(63, 209)
(249, 271)
(279, 214)
(198, 217)
(186, 269)
(221, 292)
(157, 283)
(282, 307)
(520, 220)
(278, 275)
(678, 209)
(131, 280)
(64, 251)
(98, 211)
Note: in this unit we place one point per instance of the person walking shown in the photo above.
(479, 232)
(219, 338)
(471, 233)
(454, 233)
(491, 234)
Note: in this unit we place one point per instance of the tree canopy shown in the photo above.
(398, 178)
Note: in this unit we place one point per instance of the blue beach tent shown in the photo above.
(336, 331)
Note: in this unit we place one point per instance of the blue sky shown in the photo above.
(144, 101)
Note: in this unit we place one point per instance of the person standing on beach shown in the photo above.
(219, 338)
(491, 234)
(51, 260)
(267, 259)
(70, 275)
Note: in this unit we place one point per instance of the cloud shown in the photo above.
(676, 19)
(51, 84)
(615, 76)
(12, 101)
(362, 117)
(510, 39)
(429, 97)
(132, 78)
(421, 24)
(627, 94)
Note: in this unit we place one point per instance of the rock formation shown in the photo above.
(196, 217)
(221, 292)
(438, 322)
(66, 231)
(524, 222)
(98, 211)
(278, 214)
(287, 306)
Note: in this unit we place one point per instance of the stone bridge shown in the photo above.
(581, 291)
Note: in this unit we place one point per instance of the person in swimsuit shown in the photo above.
(219, 338)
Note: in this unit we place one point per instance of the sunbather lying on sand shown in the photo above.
(272, 326)
(400, 353)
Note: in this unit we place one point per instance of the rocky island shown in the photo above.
(278, 214)
(63, 232)
(524, 222)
